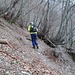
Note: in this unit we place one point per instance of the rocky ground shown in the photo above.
(19, 58)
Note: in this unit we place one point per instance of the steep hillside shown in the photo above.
(19, 58)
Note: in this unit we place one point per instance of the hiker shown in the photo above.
(33, 32)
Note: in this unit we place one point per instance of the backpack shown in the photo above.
(33, 29)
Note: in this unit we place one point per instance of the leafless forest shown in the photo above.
(54, 18)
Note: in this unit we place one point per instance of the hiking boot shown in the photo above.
(37, 47)
(34, 47)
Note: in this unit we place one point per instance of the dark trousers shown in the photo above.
(34, 40)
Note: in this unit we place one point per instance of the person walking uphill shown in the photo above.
(33, 32)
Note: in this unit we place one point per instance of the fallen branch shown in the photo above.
(5, 41)
(44, 36)
(50, 41)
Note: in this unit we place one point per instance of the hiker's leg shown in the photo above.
(33, 41)
(37, 42)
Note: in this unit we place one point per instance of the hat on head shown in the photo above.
(31, 23)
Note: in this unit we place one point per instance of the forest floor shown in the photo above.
(19, 58)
